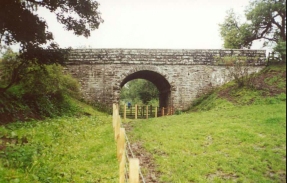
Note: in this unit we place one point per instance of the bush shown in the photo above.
(44, 91)
(49, 80)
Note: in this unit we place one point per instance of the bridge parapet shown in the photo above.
(163, 56)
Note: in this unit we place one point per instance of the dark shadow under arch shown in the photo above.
(158, 80)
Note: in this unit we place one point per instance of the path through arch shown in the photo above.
(158, 80)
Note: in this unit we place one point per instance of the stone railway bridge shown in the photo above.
(179, 75)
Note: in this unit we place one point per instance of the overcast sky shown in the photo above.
(173, 24)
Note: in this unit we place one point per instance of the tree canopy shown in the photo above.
(265, 20)
(20, 23)
(139, 91)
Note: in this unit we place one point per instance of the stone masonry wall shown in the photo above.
(161, 56)
(189, 72)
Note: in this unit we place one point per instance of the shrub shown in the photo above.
(44, 91)
(49, 80)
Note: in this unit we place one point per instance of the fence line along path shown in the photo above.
(144, 111)
(129, 169)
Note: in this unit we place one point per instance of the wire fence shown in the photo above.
(129, 169)
(129, 152)
(129, 164)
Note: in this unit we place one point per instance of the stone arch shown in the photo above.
(154, 75)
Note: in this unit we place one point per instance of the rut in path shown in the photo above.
(147, 163)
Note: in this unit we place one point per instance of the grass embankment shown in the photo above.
(235, 135)
(63, 149)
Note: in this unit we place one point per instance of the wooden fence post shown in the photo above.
(146, 112)
(121, 146)
(136, 111)
(125, 112)
(155, 113)
(122, 168)
(115, 114)
(134, 171)
(117, 127)
(114, 107)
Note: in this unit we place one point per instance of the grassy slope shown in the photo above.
(60, 150)
(231, 142)
(241, 138)
(246, 144)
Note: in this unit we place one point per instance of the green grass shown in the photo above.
(232, 134)
(277, 80)
(243, 144)
(236, 137)
(62, 149)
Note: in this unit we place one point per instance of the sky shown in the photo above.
(159, 24)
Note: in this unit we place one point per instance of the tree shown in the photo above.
(139, 90)
(20, 23)
(266, 20)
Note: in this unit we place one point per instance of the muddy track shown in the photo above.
(147, 163)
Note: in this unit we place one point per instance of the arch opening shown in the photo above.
(158, 80)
